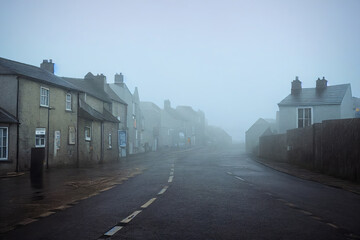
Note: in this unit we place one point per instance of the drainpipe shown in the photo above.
(77, 132)
(18, 126)
(102, 143)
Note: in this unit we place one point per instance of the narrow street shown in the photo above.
(205, 194)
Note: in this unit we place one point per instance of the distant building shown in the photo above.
(152, 123)
(305, 106)
(134, 118)
(356, 107)
(216, 136)
(260, 128)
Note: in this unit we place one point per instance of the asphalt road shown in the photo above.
(206, 194)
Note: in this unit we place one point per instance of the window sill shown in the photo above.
(5, 161)
(69, 111)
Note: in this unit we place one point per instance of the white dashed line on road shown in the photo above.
(148, 203)
(112, 231)
(240, 178)
(171, 173)
(171, 178)
(163, 190)
(131, 217)
(230, 173)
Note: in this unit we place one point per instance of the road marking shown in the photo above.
(332, 225)
(171, 178)
(306, 212)
(27, 221)
(172, 169)
(130, 217)
(148, 203)
(267, 193)
(290, 204)
(240, 178)
(112, 231)
(105, 189)
(171, 173)
(46, 214)
(163, 190)
(229, 173)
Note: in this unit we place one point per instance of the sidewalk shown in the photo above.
(310, 175)
(24, 200)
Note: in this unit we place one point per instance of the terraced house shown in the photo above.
(98, 128)
(38, 110)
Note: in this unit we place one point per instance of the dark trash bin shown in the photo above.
(37, 162)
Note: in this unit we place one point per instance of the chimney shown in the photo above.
(167, 104)
(295, 86)
(321, 84)
(47, 65)
(100, 81)
(119, 78)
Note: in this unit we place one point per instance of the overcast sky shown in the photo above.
(233, 59)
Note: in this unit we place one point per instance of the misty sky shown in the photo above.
(234, 60)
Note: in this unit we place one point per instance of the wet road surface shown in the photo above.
(206, 194)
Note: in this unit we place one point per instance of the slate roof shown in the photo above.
(85, 111)
(9, 67)
(113, 95)
(6, 117)
(88, 86)
(331, 95)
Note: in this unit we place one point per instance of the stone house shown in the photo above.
(172, 128)
(260, 128)
(195, 125)
(134, 119)
(45, 108)
(119, 110)
(98, 128)
(305, 106)
(152, 123)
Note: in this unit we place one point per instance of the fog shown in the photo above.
(234, 60)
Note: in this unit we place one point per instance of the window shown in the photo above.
(72, 135)
(44, 97)
(304, 118)
(110, 142)
(88, 133)
(68, 101)
(3, 143)
(40, 137)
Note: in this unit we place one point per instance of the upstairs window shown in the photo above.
(304, 118)
(44, 97)
(68, 101)
(4, 143)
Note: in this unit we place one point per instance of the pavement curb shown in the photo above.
(315, 177)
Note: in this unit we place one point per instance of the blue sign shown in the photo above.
(122, 138)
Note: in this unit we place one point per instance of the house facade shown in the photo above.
(98, 128)
(45, 108)
(119, 110)
(133, 116)
(152, 124)
(306, 106)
